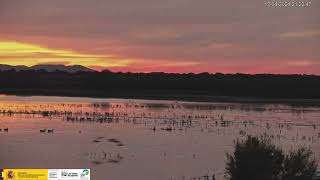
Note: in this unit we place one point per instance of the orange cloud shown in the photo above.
(17, 53)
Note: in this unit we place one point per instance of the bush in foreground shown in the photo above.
(256, 158)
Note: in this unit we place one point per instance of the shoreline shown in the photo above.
(201, 98)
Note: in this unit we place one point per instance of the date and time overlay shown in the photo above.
(295, 4)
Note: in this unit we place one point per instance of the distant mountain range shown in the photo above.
(47, 67)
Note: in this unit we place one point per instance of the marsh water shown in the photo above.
(125, 139)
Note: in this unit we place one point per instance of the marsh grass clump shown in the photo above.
(256, 158)
(300, 165)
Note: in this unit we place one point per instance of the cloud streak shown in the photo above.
(303, 34)
(16, 53)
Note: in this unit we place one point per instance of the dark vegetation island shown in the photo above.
(257, 158)
(158, 85)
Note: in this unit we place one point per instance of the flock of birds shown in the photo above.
(41, 130)
(5, 130)
(165, 117)
(46, 130)
(162, 118)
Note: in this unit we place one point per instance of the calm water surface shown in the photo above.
(143, 139)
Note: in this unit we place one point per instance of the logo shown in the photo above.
(65, 173)
(53, 174)
(10, 175)
(85, 172)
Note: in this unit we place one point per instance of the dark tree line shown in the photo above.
(109, 84)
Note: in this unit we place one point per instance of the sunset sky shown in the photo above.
(226, 36)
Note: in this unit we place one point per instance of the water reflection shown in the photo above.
(182, 140)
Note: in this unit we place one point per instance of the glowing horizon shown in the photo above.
(16, 53)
